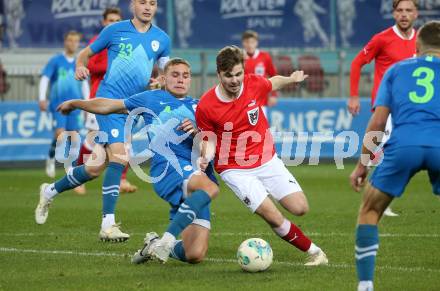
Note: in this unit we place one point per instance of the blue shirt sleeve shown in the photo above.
(136, 101)
(50, 68)
(103, 39)
(384, 94)
(167, 48)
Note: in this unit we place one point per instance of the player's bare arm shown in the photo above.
(81, 71)
(278, 82)
(98, 106)
(354, 105)
(377, 124)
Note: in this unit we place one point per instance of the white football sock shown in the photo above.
(314, 249)
(50, 191)
(168, 238)
(108, 220)
(283, 229)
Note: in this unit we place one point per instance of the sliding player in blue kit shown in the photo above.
(133, 48)
(179, 181)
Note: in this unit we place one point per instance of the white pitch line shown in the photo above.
(247, 234)
(60, 252)
(213, 260)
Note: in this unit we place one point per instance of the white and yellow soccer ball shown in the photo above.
(254, 255)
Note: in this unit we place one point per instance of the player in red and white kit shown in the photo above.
(258, 62)
(245, 157)
(98, 67)
(385, 48)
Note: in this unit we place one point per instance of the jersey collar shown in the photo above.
(222, 98)
(256, 53)
(69, 59)
(399, 34)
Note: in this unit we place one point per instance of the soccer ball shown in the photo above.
(254, 255)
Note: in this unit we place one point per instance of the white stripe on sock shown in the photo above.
(360, 257)
(110, 187)
(71, 181)
(373, 247)
(110, 191)
(74, 179)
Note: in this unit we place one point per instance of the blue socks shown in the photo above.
(53, 145)
(188, 211)
(367, 244)
(75, 177)
(178, 252)
(110, 187)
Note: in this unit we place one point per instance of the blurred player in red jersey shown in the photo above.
(385, 48)
(98, 66)
(257, 61)
(244, 154)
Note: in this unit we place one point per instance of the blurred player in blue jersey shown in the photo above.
(59, 74)
(133, 47)
(410, 92)
(187, 189)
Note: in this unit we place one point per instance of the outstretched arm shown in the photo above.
(102, 106)
(81, 71)
(278, 82)
(376, 125)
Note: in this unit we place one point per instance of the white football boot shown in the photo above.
(50, 168)
(389, 212)
(317, 259)
(42, 210)
(365, 286)
(142, 255)
(161, 250)
(113, 234)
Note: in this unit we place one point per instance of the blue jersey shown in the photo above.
(411, 90)
(131, 56)
(164, 113)
(63, 85)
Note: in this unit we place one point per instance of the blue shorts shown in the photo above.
(70, 122)
(401, 164)
(113, 126)
(173, 188)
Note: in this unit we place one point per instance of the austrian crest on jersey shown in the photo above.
(253, 115)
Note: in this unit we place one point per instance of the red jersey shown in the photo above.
(386, 48)
(260, 63)
(244, 140)
(97, 66)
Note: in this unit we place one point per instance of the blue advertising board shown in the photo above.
(317, 128)
(205, 24)
(42, 23)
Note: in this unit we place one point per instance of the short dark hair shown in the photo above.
(428, 36)
(228, 57)
(249, 34)
(72, 32)
(397, 2)
(111, 10)
(176, 61)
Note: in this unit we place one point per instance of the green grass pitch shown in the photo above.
(65, 254)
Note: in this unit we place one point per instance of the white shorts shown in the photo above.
(252, 186)
(91, 123)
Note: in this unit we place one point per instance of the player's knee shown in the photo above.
(94, 171)
(212, 189)
(302, 208)
(196, 256)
